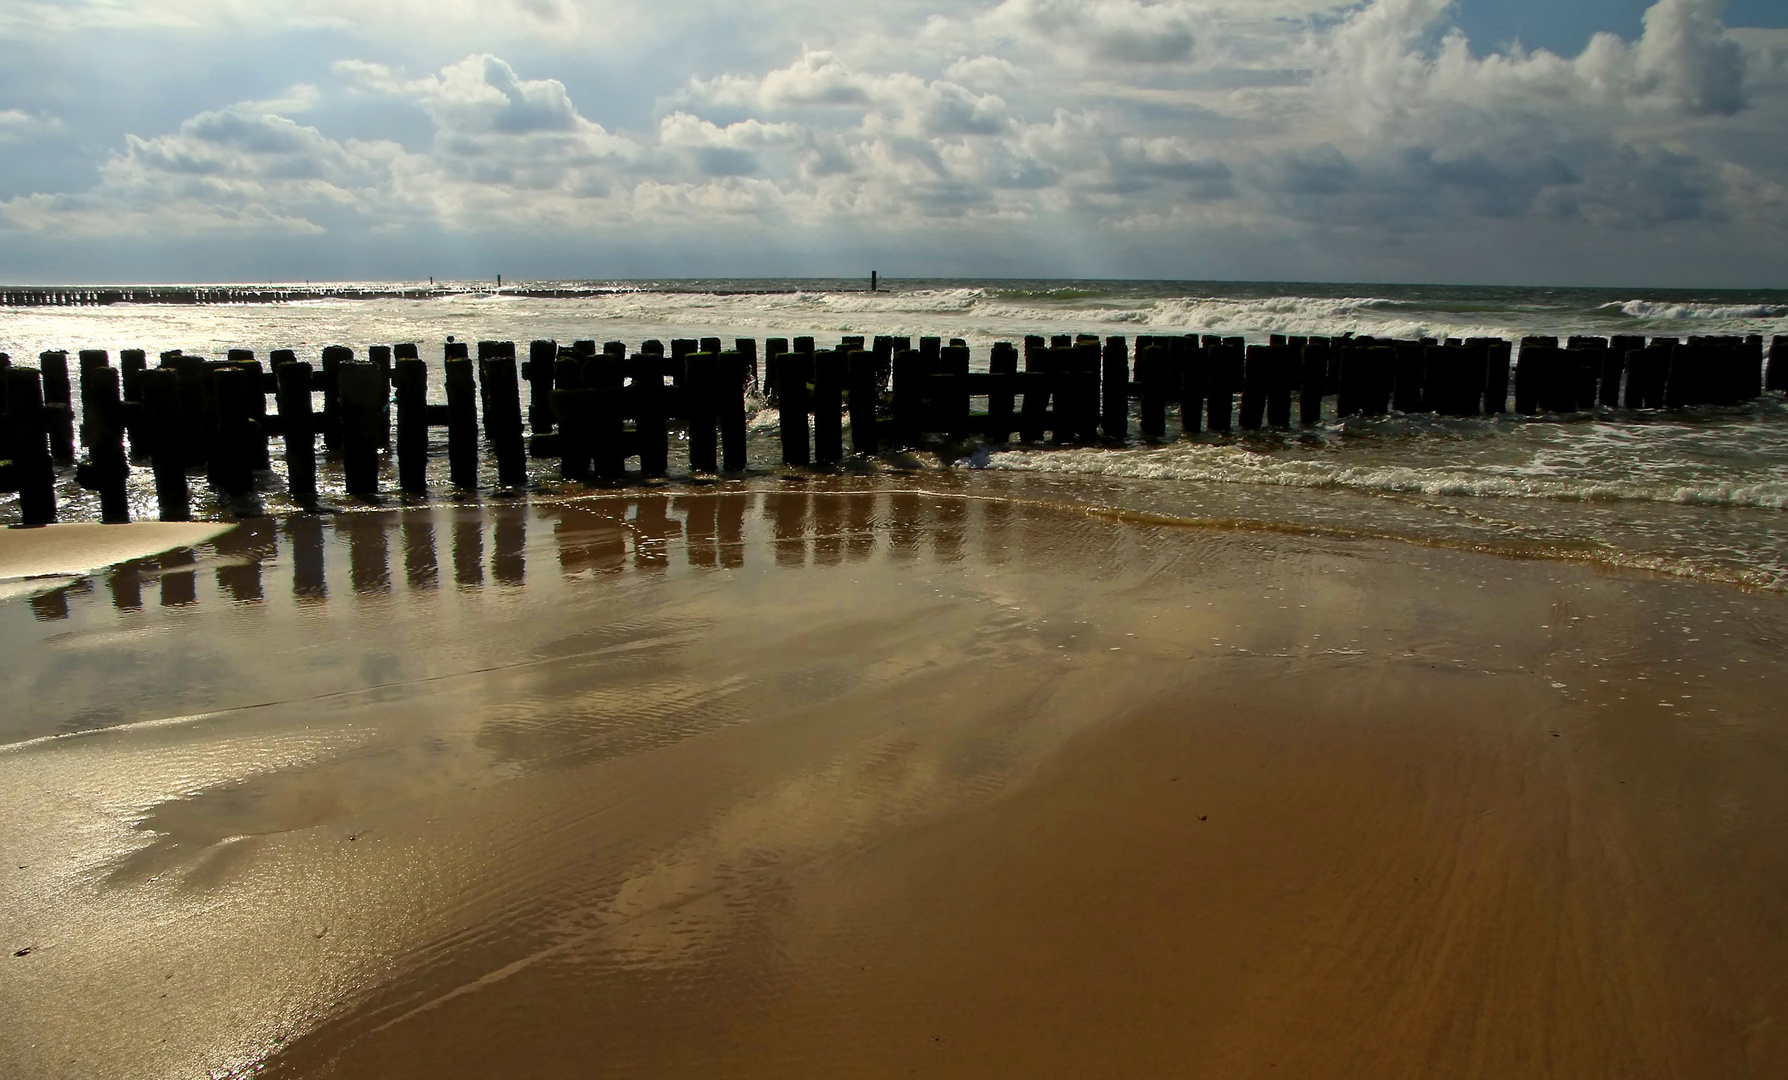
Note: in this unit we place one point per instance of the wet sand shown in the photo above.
(778, 782)
(80, 547)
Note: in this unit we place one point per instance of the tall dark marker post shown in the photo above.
(873, 285)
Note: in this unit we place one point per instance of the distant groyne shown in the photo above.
(75, 296)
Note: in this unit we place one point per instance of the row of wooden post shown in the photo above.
(593, 409)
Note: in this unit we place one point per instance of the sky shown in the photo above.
(1589, 142)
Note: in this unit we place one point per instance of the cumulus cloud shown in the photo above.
(17, 126)
(1115, 30)
(1323, 120)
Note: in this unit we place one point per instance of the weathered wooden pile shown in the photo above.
(594, 408)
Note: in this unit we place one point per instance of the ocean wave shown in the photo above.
(1687, 312)
(1233, 465)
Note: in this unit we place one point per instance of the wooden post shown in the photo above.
(650, 427)
(863, 396)
(361, 394)
(1001, 397)
(231, 451)
(1410, 390)
(1151, 375)
(462, 417)
(829, 373)
(1496, 376)
(503, 414)
(90, 360)
(1223, 368)
(58, 404)
(1114, 414)
(542, 365)
(1313, 380)
(102, 430)
(333, 357)
(381, 356)
(883, 347)
(573, 404)
(774, 348)
(33, 471)
(410, 374)
(1776, 375)
(954, 397)
(1033, 415)
(793, 371)
(1282, 375)
(604, 375)
(701, 385)
(163, 437)
(909, 399)
(1194, 372)
(735, 369)
(1255, 378)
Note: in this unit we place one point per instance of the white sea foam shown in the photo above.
(1235, 465)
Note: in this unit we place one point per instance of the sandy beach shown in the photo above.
(777, 780)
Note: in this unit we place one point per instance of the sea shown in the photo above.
(1699, 494)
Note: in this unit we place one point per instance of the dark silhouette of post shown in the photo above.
(729, 399)
(462, 417)
(162, 439)
(701, 378)
(298, 429)
(34, 472)
(362, 399)
(863, 395)
(410, 375)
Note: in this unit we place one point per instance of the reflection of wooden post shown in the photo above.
(298, 429)
(34, 474)
(508, 563)
(420, 566)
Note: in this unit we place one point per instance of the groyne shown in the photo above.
(607, 413)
